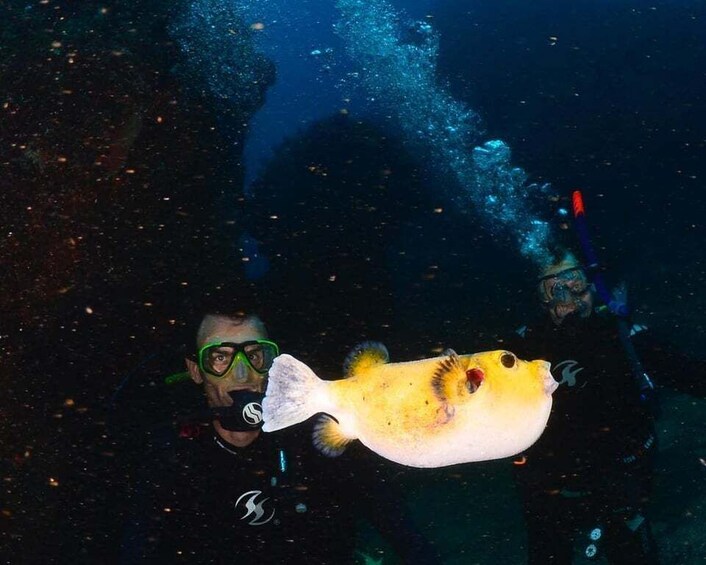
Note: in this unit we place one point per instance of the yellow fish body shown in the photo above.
(427, 413)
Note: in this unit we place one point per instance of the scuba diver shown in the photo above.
(585, 485)
(211, 487)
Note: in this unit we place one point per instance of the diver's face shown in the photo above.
(241, 376)
(569, 293)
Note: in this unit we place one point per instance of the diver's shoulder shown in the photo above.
(638, 329)
(530, 329)
(525, 338)
(635, 326)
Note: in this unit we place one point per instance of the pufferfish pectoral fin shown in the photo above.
(328, 437)
(365, 355)
(449, 373)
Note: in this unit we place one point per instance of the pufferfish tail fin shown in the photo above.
(294, 393)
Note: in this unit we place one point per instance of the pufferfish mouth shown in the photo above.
(550, 385)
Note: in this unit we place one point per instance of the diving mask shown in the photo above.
(564, 287)
(217, 359)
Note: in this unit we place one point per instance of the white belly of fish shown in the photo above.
(464, 439)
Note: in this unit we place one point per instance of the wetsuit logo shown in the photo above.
(254, 508)
(252, 413)
(569, 369)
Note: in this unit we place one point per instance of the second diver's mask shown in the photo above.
(565, 291)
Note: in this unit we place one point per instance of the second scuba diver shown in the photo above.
(585, 485)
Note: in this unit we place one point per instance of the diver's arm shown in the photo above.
(668, 365)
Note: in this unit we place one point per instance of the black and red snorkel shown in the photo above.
(616, 305)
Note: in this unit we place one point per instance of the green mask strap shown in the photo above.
(177, 378)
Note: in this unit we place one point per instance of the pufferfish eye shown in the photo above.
(508, 360)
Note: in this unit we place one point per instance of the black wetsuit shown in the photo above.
(592, 467)
(197, 499)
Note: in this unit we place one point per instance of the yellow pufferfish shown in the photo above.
(427, 413)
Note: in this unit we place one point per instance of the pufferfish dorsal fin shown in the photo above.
(448, 371)
(363, 356)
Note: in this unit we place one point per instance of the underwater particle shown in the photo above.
(88, 310)
(69, 402)
(53, 482)
(257, 26)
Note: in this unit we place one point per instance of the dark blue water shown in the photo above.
(314, 73)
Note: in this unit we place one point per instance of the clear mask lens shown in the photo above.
(566, 286)
(218, 359)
